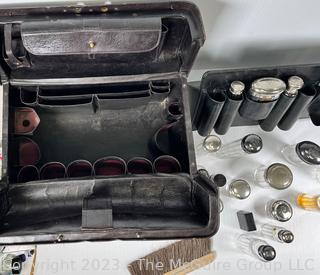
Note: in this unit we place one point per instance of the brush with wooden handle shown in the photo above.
(178, 258)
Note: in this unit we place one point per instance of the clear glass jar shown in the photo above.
(277, 233)
(276, 175)
(250, 144)
(257, 248)
(309, 202)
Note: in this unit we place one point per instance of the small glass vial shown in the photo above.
(210, 144)
(277, 176)
(309, 202)
(277, 233)
(257, 248)
(279, 210)
(250, 144)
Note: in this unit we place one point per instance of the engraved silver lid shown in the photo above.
(295, 83)
(279, 176)
(309, 152)
(239, 189)
(252, 144)
(236, 88)
(266, 89)
(281, 210)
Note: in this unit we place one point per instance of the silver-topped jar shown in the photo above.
(250, 144)
(276, 175)
(266, 89)
(279, 210)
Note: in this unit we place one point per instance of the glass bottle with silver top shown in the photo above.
(250, 144)
(256, 247)
(276, 175)
(279, 210)
(277, 233)
(305, 153)
(239, 189)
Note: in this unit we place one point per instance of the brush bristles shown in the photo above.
(170, 257)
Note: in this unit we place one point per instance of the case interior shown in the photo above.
(101, 85)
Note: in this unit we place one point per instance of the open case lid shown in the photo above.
(99, 41)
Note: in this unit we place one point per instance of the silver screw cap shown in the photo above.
(237, 88)
(309, 152)
(212, 143)
(279, 176)
(267, 252)
(286, 236)
(295, 83)
(239, 189)
(252, 144)
(281, 210)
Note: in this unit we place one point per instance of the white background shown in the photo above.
(240, 33)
